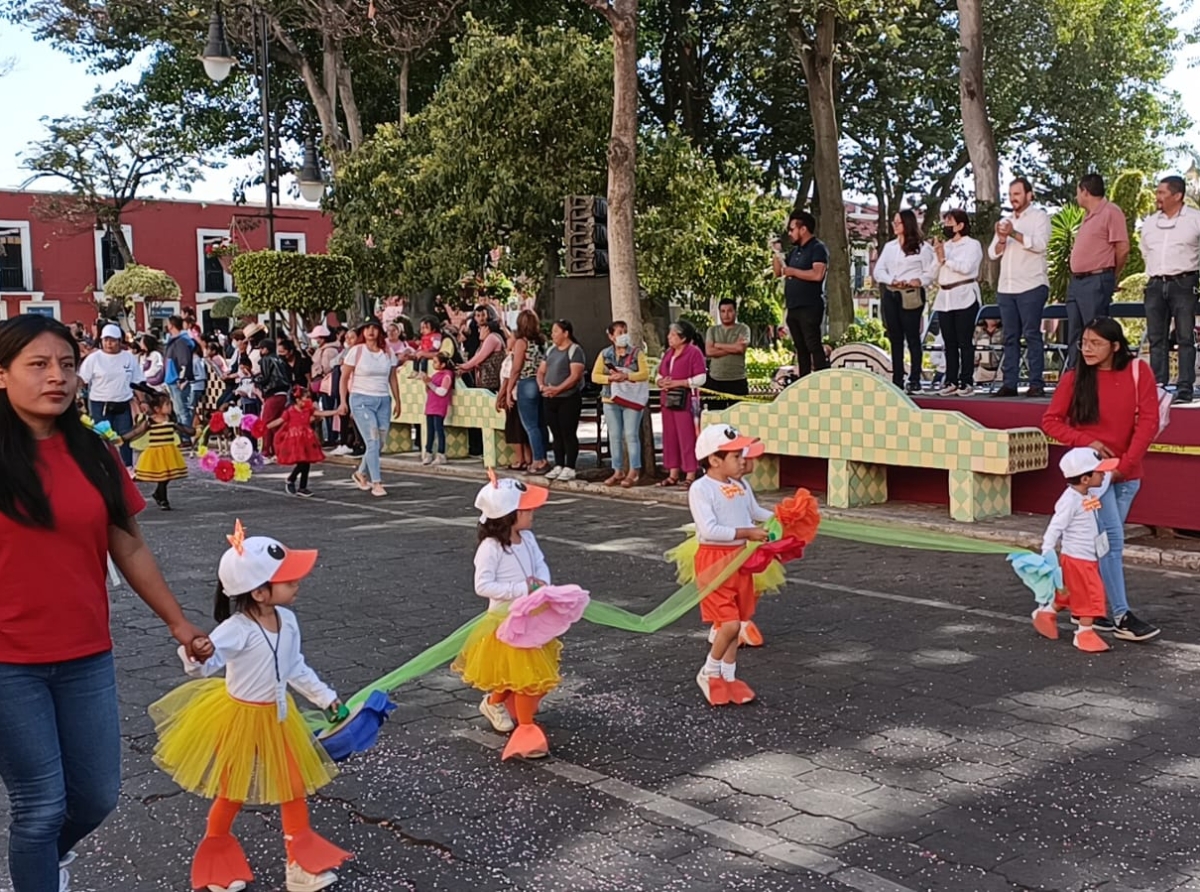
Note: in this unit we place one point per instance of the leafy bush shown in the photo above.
(698, 318)
(761, 364)
(141, 281)
(1132, 289)
(307, 284)
(865, 330)
(1064, 226)
(225, 307)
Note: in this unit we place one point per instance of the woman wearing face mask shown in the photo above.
(957, 303)
(622, 371)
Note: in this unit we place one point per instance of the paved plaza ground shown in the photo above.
(911, 733)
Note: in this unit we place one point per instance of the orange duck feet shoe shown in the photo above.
(1045, 623)
(714, 688)
(749, 636)
(527, 742)
(1087, 640)
(739, 692)
(219, 861)
(313, 852)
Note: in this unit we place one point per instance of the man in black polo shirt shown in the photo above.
(804, 291)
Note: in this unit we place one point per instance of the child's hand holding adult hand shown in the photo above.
(197, 644)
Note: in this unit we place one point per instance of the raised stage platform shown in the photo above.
(1170, 494)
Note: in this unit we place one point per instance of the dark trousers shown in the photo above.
(562, 418)
(735, 388)
(804, 325)
(958, 334)
(120, 416)
(903, 327)
(1021, 317)
(1088, 298)
(1175, 301)
(300, 472)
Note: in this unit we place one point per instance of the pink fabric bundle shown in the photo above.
(541, 616)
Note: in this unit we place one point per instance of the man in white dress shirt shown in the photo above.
(1024, 286)
(1171, 248)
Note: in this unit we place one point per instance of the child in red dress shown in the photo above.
(297, 443)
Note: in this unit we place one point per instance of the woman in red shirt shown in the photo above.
(1101, 405)
(66, 504)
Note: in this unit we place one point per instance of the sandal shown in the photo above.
(687, 481)
(614, 480)
(519, 466)
(538, 472)
(629, 482)
(670, 481)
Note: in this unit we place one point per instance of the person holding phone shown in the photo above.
(803, 272)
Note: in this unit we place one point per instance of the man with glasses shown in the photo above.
(1024, 286)
(1171, 248)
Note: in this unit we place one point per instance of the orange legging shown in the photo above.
(525, 705)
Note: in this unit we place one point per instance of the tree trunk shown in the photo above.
(402, 87)
(622, 149)
(349, 104)
(118, 237)
(977, 128)
(817, 59)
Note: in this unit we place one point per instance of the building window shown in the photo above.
(14, 248)
(108, 254)
(212, 280)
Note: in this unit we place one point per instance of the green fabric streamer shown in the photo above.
(684, 599)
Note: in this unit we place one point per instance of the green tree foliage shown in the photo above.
(1136, 201)
(305, 284)
(1063, 228)
(520, 122)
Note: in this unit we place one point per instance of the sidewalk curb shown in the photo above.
(1139, 555)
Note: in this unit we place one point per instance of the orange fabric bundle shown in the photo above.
(799, 516)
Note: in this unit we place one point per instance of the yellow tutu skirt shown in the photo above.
(769, 582)
(487, 663)
(159, 463)
(213, 745)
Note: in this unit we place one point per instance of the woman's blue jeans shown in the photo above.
(624, 435)
(529, 407)
(60, 760)
(1114, 510)
(373, 415)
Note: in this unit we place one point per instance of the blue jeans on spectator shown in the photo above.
(120, 416)
(373, 415)
(60, 760)
(183, 402)
(1088, 298)
(435, 433)
(529, 407)
(624, 435)
(1114, 510)
(1021, 317)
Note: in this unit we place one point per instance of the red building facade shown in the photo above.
(47, 266)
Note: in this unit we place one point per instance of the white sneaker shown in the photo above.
(235, 886)
(426, 458)
(342, 450)
(966, 391)
(300, 880)
(497, 715)
(439, 459)
(554, 473)
(948, 390)
(567, 474)
(64, 880)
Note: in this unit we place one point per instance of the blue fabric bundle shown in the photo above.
(1041, 574)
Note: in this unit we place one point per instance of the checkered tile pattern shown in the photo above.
(470, 408)
(861, 423)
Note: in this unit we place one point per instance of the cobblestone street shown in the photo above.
(912, 732)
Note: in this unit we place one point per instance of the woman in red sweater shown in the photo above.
(66, 504)
(1099, 405)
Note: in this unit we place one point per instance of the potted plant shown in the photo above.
(224, 250)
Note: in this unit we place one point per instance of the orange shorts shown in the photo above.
(735, 599)
(1085, 588)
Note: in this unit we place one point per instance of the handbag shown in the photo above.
(1164, 400)
(911, 298)
(676, 398)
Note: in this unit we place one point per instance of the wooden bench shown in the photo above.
(866, 427)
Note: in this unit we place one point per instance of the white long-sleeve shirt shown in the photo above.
(503, 574)
(244, 649)
(963, 259)
(721, 509)
(1171, 245)
(1076, 523)
(1023, 264)
(894, 265)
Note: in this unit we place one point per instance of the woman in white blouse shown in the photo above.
(904, 270)
(957, 303)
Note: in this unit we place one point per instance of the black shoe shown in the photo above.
(1130, 628)
(1005, 392)
(166, 506)
(1181, 398)
(290, 486)
(1100, 623)
(1036, 393)
(304, 493)
(912, 389)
